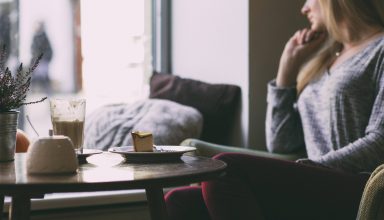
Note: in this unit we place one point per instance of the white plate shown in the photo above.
(160, 153)
(82, 157)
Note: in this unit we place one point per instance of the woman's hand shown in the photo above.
(311, 163)
(302, 45)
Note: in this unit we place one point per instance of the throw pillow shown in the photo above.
(169, 122)
(216, 102)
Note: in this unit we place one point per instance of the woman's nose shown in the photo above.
(305, 8)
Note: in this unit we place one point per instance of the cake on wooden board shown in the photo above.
(142, 141)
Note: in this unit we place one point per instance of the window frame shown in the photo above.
(162, 36)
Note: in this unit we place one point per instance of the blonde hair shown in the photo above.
(358, 13)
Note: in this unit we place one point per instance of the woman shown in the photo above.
(328, 97)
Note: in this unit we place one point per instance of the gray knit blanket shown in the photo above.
(169, 122)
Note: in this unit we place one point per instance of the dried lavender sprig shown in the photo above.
(13, 90)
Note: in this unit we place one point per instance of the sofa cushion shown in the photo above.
(169, 122)
(216, 102)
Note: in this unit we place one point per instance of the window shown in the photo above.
(116, 45)
(96, 49)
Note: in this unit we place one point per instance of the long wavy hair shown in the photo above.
(353, 14)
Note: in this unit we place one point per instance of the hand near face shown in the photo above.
(301, 46)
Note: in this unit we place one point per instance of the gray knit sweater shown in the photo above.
(338, 118)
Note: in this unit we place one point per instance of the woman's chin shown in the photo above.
(317, 27)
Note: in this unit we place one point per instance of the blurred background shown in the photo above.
(94, 49)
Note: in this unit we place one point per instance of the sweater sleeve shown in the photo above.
(284, 133)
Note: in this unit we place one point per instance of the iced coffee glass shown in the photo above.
(68, 117)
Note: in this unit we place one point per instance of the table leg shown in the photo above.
(155, 197)
(2, 204)
(20, 208)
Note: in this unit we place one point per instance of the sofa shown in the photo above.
(177, 108)
(208, 149)
(218, 103)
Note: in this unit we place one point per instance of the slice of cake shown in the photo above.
(142, 141)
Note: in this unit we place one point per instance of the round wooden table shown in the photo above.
(104, 172)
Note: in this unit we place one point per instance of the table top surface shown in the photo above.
(108, 171)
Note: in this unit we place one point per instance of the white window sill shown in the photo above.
(82, 199)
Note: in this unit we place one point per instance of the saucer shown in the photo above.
(82, 157)
(160, 154)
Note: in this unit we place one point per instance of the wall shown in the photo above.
(237, 42)
(210, 43)
(271, 24)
